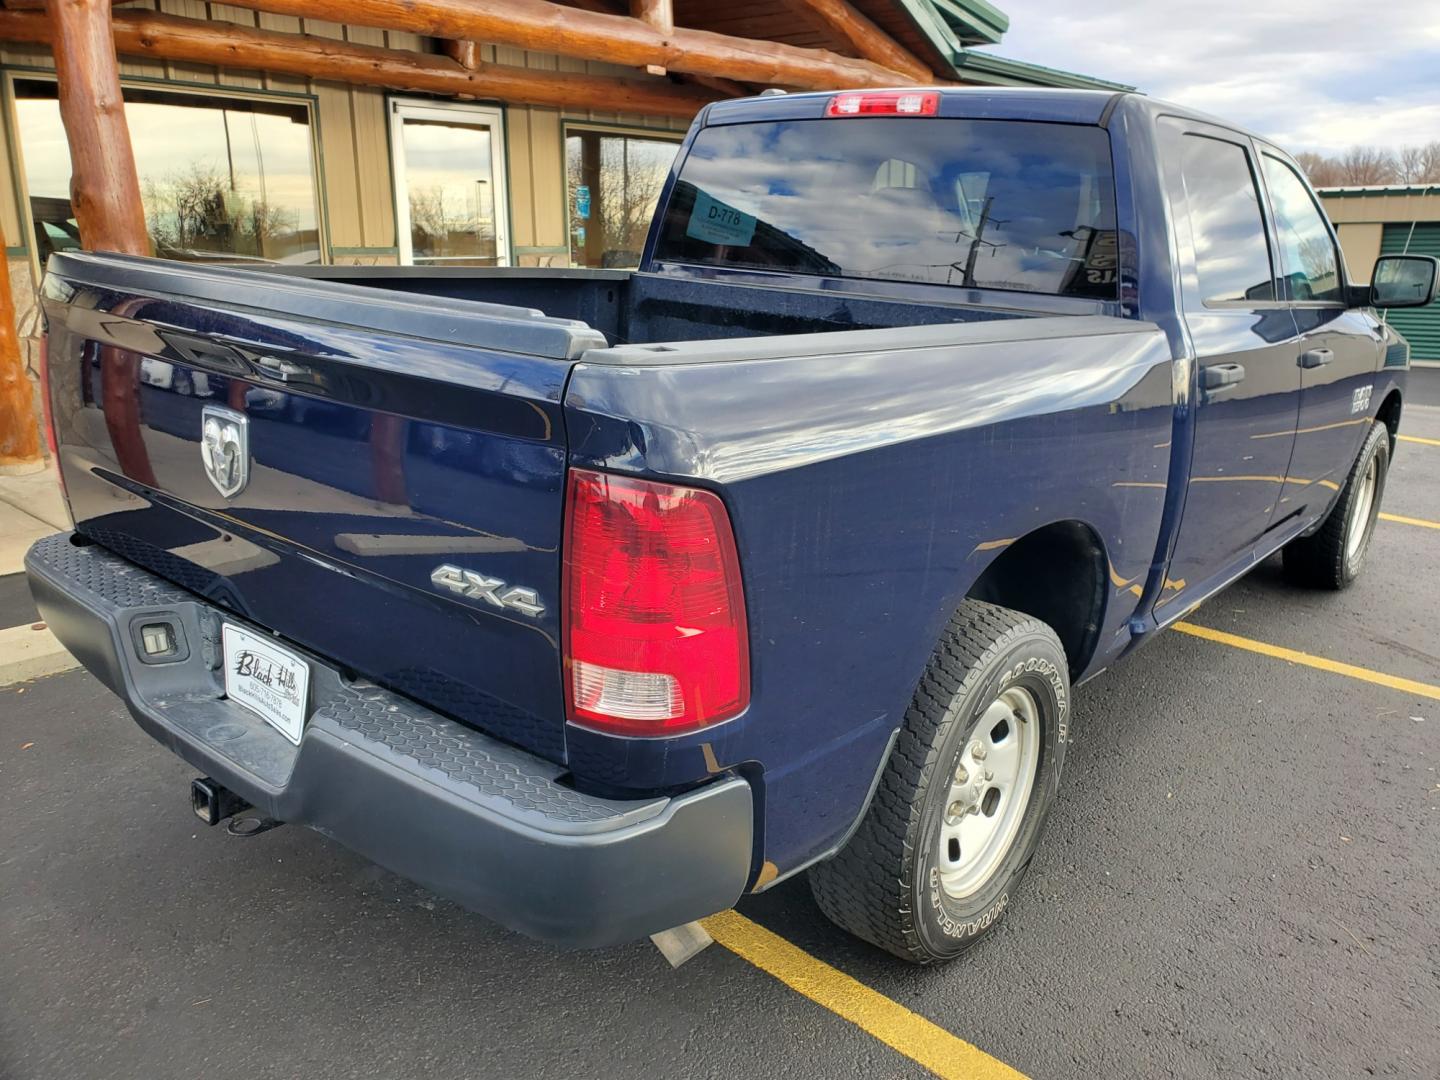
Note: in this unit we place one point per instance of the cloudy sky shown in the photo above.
(1310, 74)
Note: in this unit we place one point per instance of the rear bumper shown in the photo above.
(470, 818)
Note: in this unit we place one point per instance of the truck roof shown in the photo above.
(1046, 104)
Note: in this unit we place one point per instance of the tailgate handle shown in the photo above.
(201, 352)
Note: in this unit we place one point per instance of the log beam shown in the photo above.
(166, 37)
(726, 87)
(867, 39)
(615, 39)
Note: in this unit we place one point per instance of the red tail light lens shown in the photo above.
(655, 634)
(885, 103)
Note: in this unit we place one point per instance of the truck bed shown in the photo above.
(649, 308)
(396, 432)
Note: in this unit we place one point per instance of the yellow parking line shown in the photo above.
(1418, 439)
(872, 1012)
(1294, 656)
(1397, 519)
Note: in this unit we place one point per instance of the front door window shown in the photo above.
(449, 185)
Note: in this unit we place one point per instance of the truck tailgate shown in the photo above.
(378, 479)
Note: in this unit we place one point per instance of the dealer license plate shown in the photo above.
(266, 679)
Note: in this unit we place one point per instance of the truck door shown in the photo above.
(1338, 351)
(1246, 386)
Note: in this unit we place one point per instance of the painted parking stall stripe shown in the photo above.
(1399, 519)
(1320, 663)
(910, 1034)
(1418, 439)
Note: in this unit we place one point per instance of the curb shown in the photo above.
(31, 652)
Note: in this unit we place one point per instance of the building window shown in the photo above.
(223, 179)
(614, 183)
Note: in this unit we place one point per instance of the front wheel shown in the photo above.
(1331, 557)
(958, 813)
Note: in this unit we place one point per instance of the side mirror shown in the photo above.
(1401, 281)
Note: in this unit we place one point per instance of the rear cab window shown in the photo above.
(993, 204)
(1232, 254)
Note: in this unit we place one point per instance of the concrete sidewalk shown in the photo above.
(31, 506)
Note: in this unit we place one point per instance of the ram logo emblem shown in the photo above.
(476, 586)
(225, 448)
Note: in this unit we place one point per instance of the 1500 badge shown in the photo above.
(476, 586)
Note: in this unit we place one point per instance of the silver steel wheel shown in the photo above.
(1359, 523)
(989, 790)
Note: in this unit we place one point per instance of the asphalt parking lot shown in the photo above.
(1241, 878)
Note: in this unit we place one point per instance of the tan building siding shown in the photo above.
(1361, 243)
(1360, 219)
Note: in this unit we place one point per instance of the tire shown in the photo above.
(1332, 556)
(897, 883)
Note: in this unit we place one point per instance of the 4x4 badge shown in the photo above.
(225, 448)
(493, 591)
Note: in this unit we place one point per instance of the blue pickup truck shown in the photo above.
(595, 600)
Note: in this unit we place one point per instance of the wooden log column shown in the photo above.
(104, 187)
(104, 191)
(19, 437)
(660, 17)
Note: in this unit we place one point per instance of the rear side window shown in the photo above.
(1306, 250)
(976, 203)
(1232, 255)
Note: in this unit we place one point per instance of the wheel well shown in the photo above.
(1390, 414)
(1056, 574)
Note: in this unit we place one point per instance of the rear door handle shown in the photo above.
(1217, 376)
(1313, 358)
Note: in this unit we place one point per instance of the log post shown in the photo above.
(19, 437)
(659, 15)
(464, 53)
(104, 192)
(104, 187)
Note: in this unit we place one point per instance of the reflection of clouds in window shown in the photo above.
(904, 199)
(1232, 258)
(1306, 249)
(218, 176)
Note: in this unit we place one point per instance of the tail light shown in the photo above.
(46, 410)
(655, 634)
(885, 103)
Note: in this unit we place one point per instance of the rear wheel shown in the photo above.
(958, 813)
(1331, 557)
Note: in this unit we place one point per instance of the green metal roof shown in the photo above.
(953, 26)
(974, 21)
(986, 67)
(1377, 190)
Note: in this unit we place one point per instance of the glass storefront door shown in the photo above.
(449, 184)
